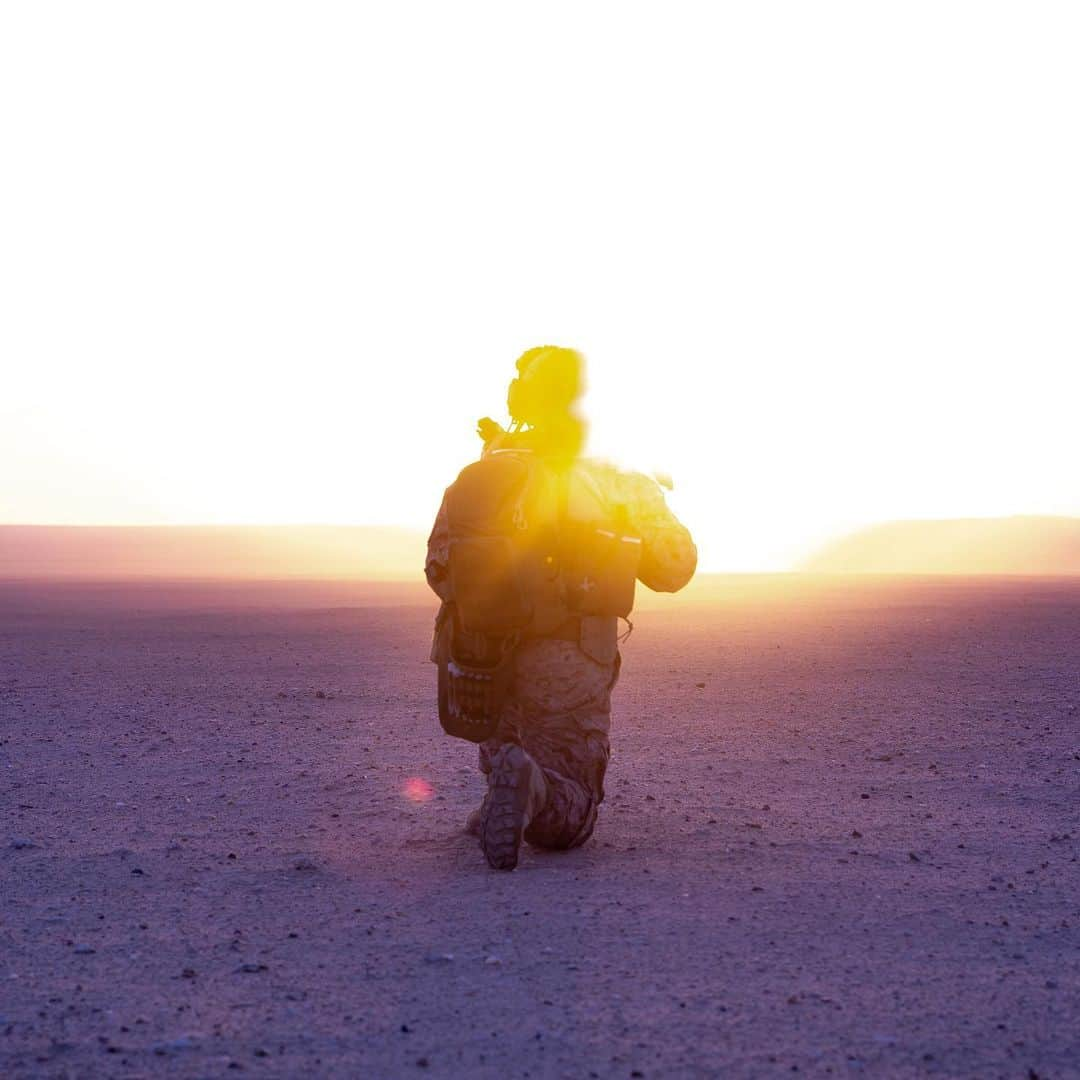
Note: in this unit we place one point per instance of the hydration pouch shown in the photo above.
(474, 677)
(487, 585)
(493, 531)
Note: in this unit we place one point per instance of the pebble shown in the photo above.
(20, 843)
(184, 1042)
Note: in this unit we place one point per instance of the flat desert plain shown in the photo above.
(840, 838)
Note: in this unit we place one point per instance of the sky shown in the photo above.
(268, 263)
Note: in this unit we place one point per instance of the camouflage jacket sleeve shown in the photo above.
(669, 555)
(437, 565)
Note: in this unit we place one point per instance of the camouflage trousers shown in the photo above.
(559, 711)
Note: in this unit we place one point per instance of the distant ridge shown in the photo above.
(1013, 545)
(235, 552)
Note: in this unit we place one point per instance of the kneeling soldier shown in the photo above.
(534, 554)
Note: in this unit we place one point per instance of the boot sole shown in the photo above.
(504, 822)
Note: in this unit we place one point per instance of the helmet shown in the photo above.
(550, 379)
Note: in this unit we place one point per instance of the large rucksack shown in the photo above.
(519, 567)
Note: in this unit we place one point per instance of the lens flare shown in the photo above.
(418, 790)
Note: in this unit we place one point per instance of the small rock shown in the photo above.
(251, 969)
(20, 843)
(84, 950)
(173, 1046)
(439, 958)
(305, 866)
(492, 960)
(913, 857)
(321, 694)
(423, 1062)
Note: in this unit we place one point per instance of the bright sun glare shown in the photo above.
(269, 263)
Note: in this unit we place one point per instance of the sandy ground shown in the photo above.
(841, 838)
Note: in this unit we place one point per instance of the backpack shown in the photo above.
(518, 568)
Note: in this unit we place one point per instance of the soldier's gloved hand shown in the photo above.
(489, 429)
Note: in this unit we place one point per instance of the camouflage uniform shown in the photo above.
(559, 712)
(559, 703)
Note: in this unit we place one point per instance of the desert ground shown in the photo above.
(840, 838)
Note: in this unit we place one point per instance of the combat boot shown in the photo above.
(517, 792)
(472, 822)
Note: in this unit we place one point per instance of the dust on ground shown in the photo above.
(840, 838)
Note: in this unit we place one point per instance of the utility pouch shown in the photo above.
(599, 639)
(599, 567)
(474, 677)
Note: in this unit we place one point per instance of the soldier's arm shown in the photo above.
(668, 555)
(436, 568)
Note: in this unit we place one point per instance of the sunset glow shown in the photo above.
(824, 290)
